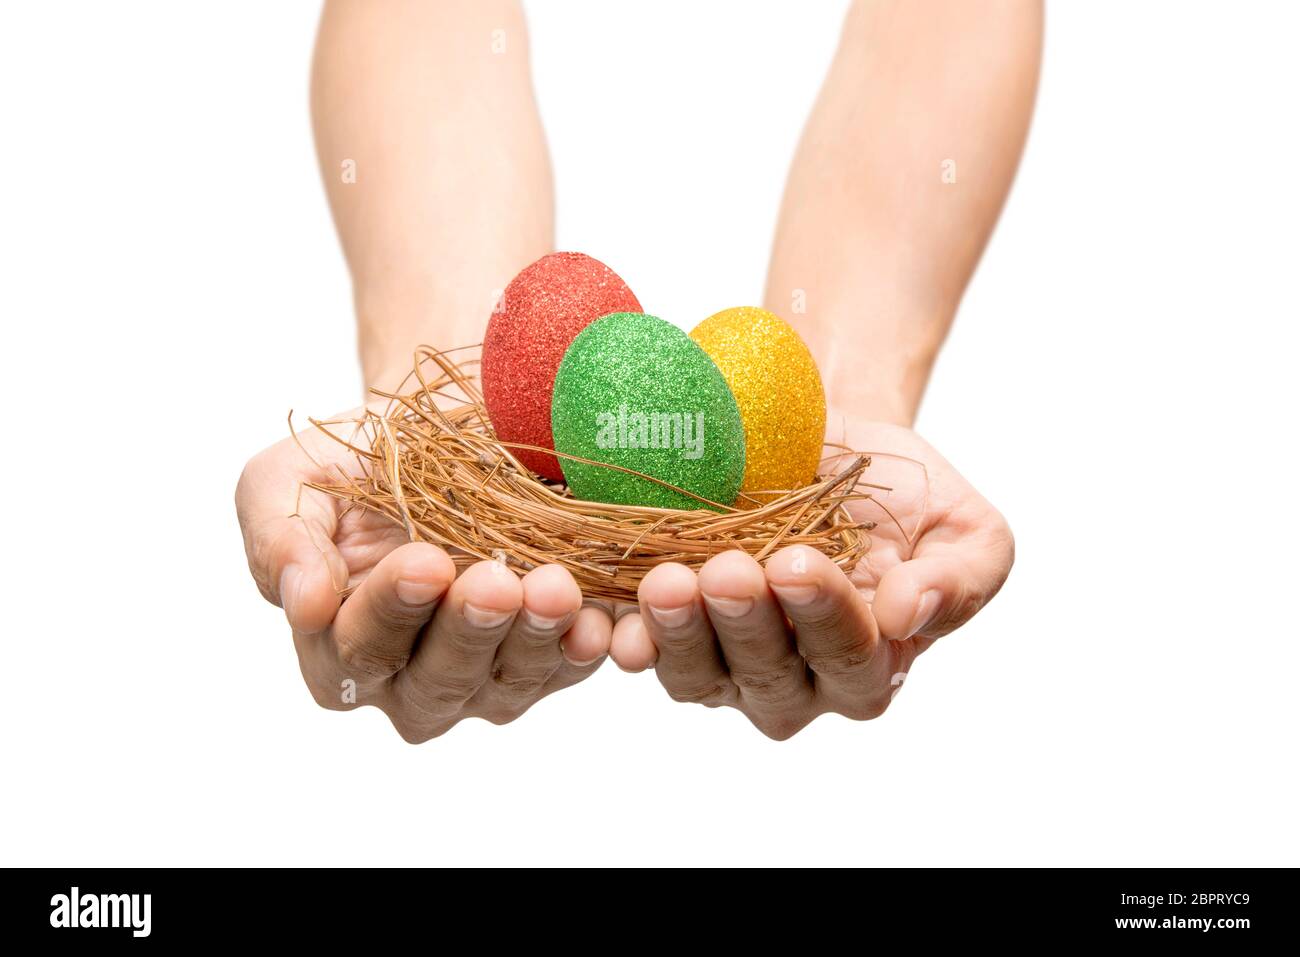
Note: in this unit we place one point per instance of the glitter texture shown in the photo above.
(541, 312)
(635, 391)
(776, 385)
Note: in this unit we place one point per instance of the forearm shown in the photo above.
(897, 183)
(435, 166)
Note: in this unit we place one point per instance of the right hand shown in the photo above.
(425, 646)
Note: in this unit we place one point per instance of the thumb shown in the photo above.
(294, 572)
(941, 589)
(289, 542)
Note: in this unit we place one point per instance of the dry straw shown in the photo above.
(431, 463)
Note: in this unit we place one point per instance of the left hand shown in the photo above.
(800, 638)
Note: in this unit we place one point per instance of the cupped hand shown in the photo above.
(799, 638)
(425, 646)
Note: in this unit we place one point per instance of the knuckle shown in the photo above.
(439, 697)
(767, 686)
(391, 617)
(415, 737)
(369, 668)
(828, 618)
(677, 641)
(537, 642)
(711, 695)
(468, 644)
(449, 698)
(327, 697)
(841, 661)
(370, 663)
(516, 685)
(413, 732)
(780, 727)
(500, 716)
(866, 710)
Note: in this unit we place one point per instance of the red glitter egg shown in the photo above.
(541, 313)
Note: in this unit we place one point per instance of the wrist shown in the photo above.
(874, 345)
(393, 323)
(876, 371)
(880, 387)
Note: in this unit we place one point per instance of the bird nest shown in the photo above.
(430, 461)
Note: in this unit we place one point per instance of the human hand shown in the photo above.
(425, 646)
(799, 638)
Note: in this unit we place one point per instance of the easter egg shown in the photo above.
(636, 392)
(538, 315)
(775, 381)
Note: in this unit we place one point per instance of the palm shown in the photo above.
(361, 537)
(925, 501)
(899, 464)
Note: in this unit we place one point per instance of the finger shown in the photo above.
(630, 645)
(759, 651)
(569, 674)
(305, 586)
(379, 624)
(454, 658)
(288, 538)
(944, 585)
(690, 664)
(586, 644)
(834, 629)
(530, 653)
(588, 639)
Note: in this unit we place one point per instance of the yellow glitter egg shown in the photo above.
(778, 390)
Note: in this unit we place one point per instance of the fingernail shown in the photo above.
(538, 623)
(415, 593)
(672, 617)
(485, 617)
(925, 611)
(576, 662)
(796, 594)
(290, 590)
(729, 607)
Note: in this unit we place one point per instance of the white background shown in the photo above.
(1121, 383)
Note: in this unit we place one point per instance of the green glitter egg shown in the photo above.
(637, 392)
